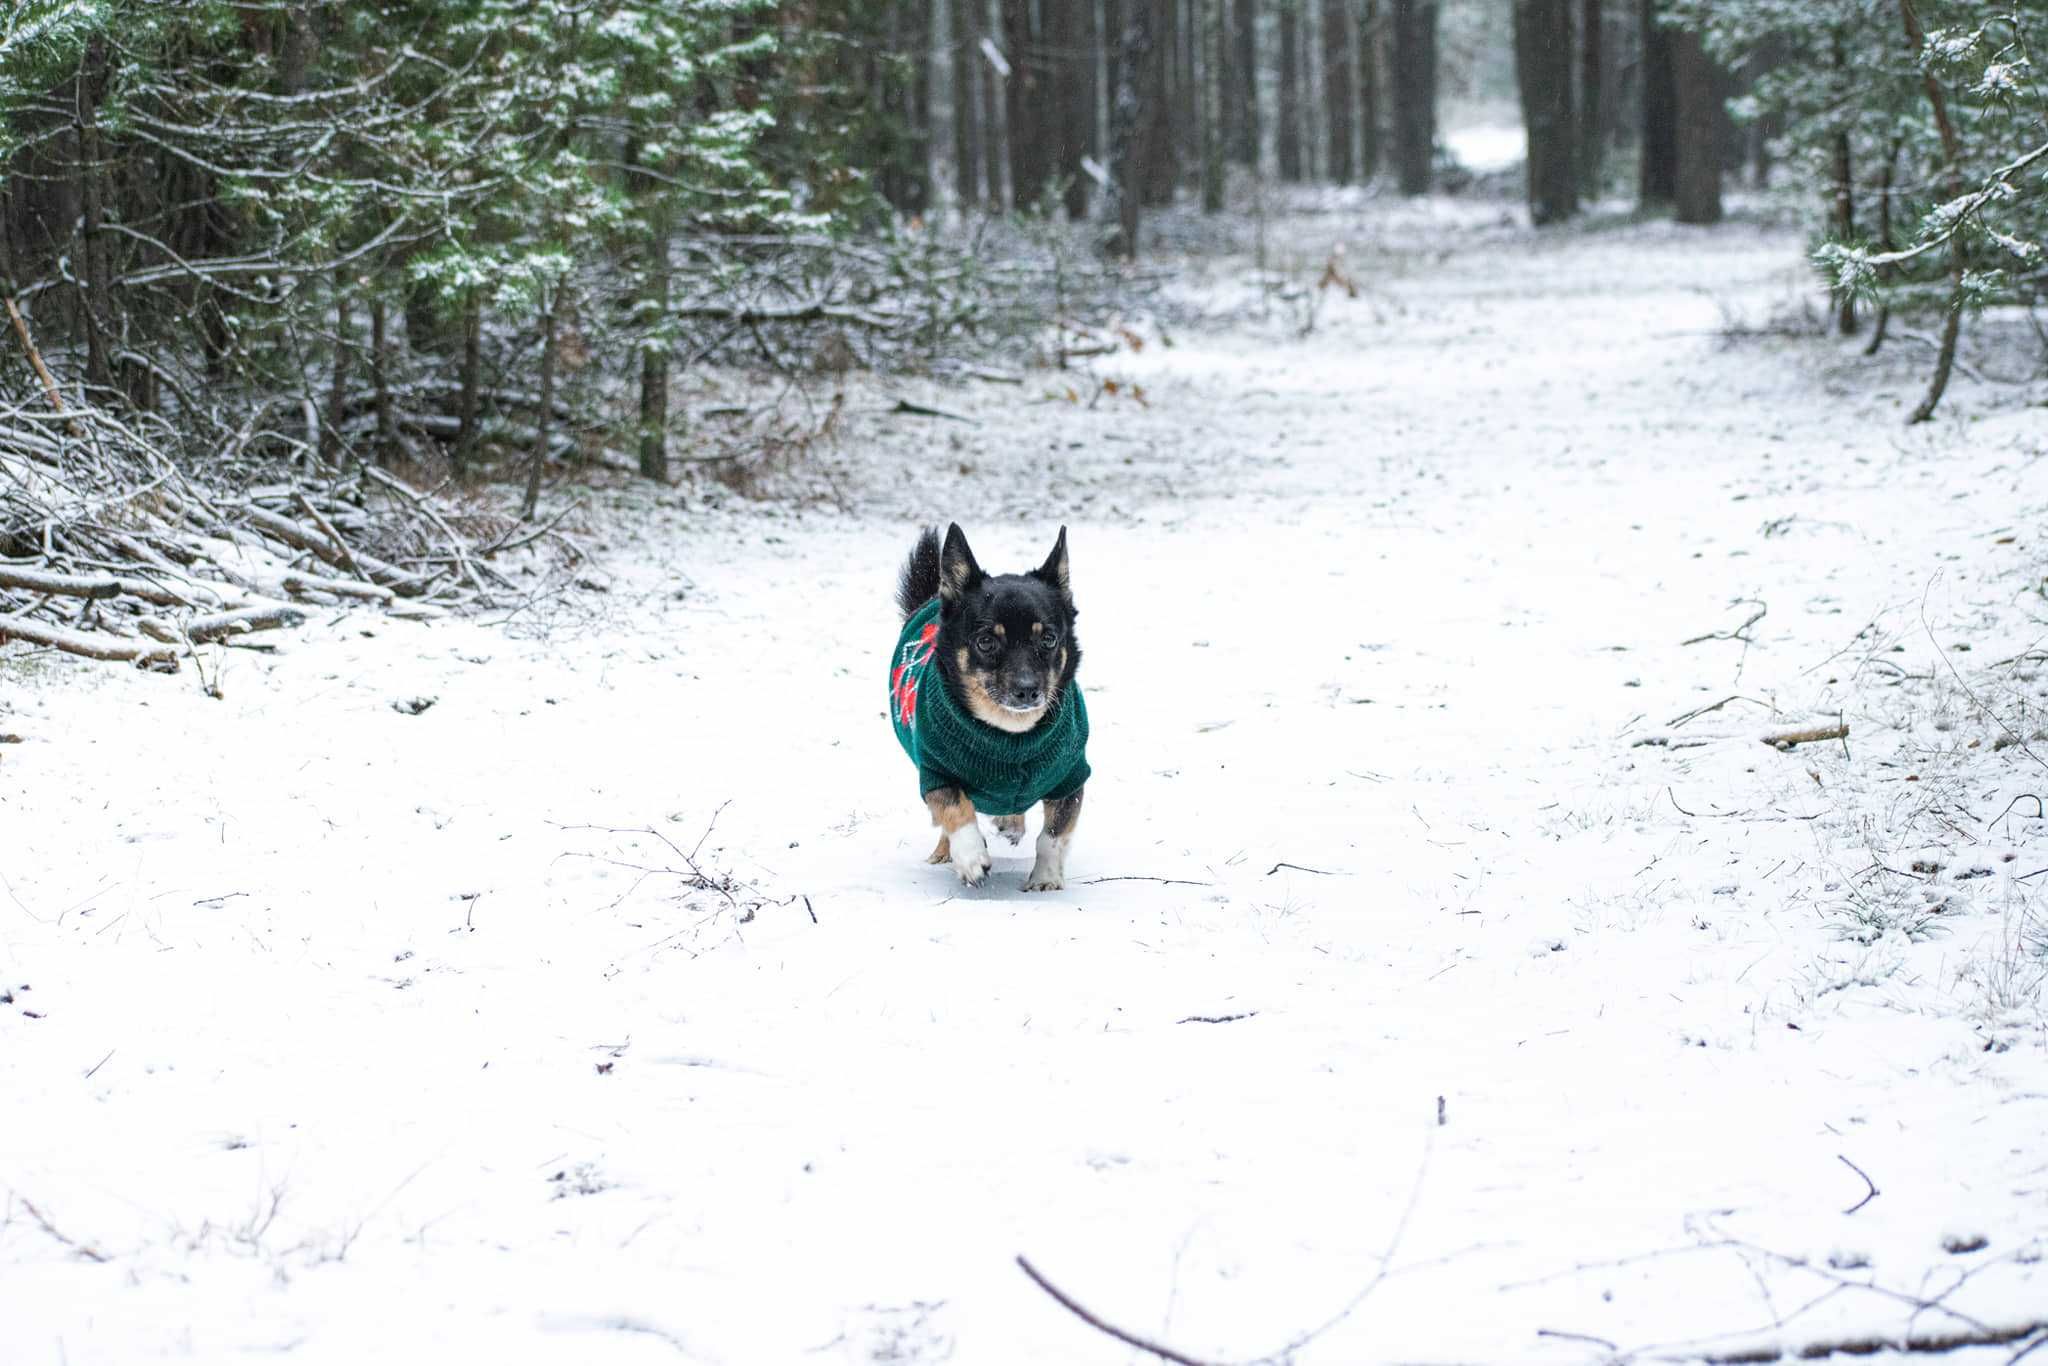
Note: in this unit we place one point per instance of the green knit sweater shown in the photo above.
(1002, 773)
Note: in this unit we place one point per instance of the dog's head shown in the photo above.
(1006, 641)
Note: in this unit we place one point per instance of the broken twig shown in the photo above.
(1870, 1195)
(1123, 1335)
(1739, 633)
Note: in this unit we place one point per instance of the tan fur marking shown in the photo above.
(944, 853)
(1037, 629)
(990, 712)
(1063, 659)
(1013, 826)
(950, 809)
(1063, 816)
(1001, 632)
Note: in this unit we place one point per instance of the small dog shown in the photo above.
(983, 700)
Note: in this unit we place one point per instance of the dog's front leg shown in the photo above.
(954, 815)
(1049, 873)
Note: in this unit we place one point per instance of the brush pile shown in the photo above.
(110, 550)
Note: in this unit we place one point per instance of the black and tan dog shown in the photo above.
(983, 699)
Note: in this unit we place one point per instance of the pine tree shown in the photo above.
(1414, 92)
(1543, 70)
(1287, 132)
(1243, 82)
(1341, 111)
(1657, 179)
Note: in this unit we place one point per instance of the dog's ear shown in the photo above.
(1054, 570)
(959, 575)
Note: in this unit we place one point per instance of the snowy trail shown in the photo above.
(359, 1033)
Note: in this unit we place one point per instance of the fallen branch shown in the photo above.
(116, 649)
(1786, 739)
(35, 359)
(1123, 1335)
(241, 621)
(348, 559)
(904, 405)
(97, 587)
(296, 536)
(299, 583)
(1930, 1344)
(85, 1250)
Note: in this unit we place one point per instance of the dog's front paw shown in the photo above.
(1049, 871)
(970, 855)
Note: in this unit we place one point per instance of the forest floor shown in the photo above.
(1403, 1003)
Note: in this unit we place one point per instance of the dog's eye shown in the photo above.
(985, 643)
(1047, 641)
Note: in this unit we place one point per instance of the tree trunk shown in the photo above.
(1414, 70)
(991, 109)
(91, 254)
(1095, 50)
(472, 381)
(1369, 90)
(908, 181)
(1216, 103)
(1621, 96)
(654, 352)
(1543, 71)
(1072, 113)
(1592, 132)
(1842, 220)
(1025, 98)
(301, 46)
(380, 378)
(546, 417)
(1698, 118)
(1339, 107)
(1952, 178)
(1190, 110)
(1129, 117)
(1287, 138)
(337, 394)
(1244, 82)
(966, 124)
(1657, 181)
(1157, 98)
(1844, 224)
(1111, 71)
(1884, 240)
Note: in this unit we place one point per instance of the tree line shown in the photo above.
(375, 225)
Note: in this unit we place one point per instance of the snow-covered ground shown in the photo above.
(1400, 1000)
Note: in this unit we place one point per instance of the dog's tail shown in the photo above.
(919, 582)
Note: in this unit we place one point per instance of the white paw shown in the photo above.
(1049, 872)
(970, 855)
